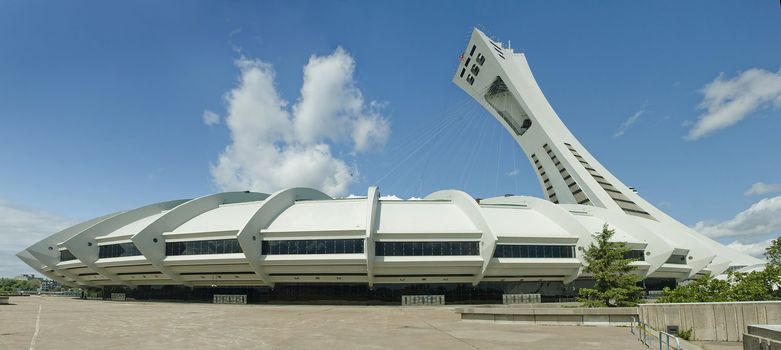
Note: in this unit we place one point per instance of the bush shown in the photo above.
(686, 335)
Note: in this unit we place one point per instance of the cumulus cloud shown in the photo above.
(20, 227)
(761, 218)
(756, 250)
(761, 188)
(210, 118)
(728, 101)
(275, 145)
(513, 173)
(629, 122)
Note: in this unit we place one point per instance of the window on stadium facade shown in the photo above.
(636, 254)
(66, 255)
(534, 251)
(118, 250)
(312, 246)
(676, 259)
(212, 246)
(426, 248)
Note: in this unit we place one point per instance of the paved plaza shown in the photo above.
(64, 323)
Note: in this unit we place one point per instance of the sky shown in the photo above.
(108, 106)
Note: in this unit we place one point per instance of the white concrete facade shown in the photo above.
(448, 237)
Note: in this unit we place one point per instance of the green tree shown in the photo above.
(739, 286)
(773, 252)
(615, 283)
(754, 285)
(10, 285)
(705, 289)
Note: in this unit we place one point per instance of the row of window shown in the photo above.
(312, 246)
(66, 255)
(213, 246)
(534, 251)
(118, 250)
(426, 248)
(577, 192)
(549, 191)
(625, 203)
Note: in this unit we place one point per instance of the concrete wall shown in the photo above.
(619, 316)
(712, 321)
(762, 337)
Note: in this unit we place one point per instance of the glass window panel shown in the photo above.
(311, 247)
(330, 246)
(320, 247)
(428, 248)
(417, 248)
(360, 244)
(219, 246)
(273, 247)
(547, 251)
(339, 247)
(283, 247)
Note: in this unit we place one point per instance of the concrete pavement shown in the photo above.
(65, 323)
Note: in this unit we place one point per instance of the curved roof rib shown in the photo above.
(46, 250)
(471, 209)
(84, 247)
(150, 241)
(250, 236)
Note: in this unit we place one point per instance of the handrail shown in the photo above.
(667, 340)
(642, 331)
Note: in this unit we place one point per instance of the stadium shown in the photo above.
(299, 244)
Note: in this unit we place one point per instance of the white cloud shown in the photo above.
(756, 250)
(20, 227)
(276, 146)
(210, 118)
(761, 188)
(390, 197)
(728, 101)
(761, 218)
(629, 122)
(513, 173)
(370, 131)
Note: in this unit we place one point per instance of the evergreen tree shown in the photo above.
(615, 284)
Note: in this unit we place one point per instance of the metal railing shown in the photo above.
(664, 341)
(642, 331)
(648, 336)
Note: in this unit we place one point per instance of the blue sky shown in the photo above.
(102, 103)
